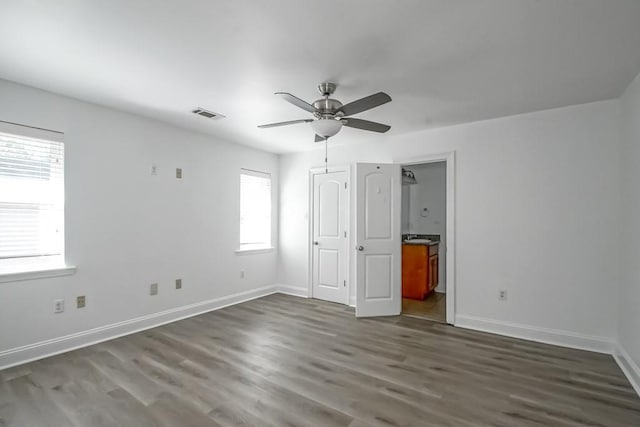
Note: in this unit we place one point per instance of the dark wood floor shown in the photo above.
(286, 361)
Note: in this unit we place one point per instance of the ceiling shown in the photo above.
(443, 62)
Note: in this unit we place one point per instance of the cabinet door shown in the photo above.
(433, 272)
(415, 275)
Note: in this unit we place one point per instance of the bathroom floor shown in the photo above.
(432, 307)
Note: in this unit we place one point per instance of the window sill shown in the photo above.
(254, 251)
(35, 273)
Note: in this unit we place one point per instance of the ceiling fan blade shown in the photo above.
(319, 138)
(297, 101)
(291, 122)
(366, 103)
(365, 125)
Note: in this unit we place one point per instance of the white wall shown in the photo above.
(125, 228)
(629, 298)
(430, 192)
(536, 214)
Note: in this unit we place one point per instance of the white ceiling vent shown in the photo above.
(208, 114)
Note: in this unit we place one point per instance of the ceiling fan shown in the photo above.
(329, 114)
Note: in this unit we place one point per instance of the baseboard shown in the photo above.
(292, 290)
(531, 333)
(629, 367)
(42, 349)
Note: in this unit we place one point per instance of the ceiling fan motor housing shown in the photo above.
(327, 107)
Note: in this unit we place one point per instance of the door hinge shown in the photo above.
(345, 234)
(345, 282)
(345, 185)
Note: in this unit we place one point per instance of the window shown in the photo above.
(255, 210)
(31, 197)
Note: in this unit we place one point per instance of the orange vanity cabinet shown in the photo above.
(419, 270)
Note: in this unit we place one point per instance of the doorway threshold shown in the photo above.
(432, 308)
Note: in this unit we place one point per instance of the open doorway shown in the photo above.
(424, 234)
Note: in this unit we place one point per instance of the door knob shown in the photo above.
(360, 248)
(316, 243)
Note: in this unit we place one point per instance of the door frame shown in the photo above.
(449, 158)
(347, 255)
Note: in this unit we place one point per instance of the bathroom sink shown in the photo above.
(418, 241)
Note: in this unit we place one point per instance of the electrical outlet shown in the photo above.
(81, 301)
(153, 289)
(179, 173)
(58, 306)
(242, 274)
(154, 170)
(178, 283)
(502, 296)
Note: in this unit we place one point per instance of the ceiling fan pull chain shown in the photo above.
(326, 164)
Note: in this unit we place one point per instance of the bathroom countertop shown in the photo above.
(420, 242)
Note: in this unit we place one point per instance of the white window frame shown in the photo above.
(34, 267)
(252, 248)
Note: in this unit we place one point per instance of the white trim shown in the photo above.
(42, 349)
(352, 301)
(450, 159)
(254, 251)
(628, 366)
(533, 333)
(42, 273)
(321, 170)
(296, 291)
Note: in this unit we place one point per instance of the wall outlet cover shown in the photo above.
(178, 283)
(179, 173)
(81, 301)
(502, 295)
(153, 289)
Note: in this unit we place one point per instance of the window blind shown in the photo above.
(31, 196)
(255, 209)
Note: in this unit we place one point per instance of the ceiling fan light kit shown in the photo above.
(326, 127)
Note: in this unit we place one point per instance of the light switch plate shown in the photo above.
(58, 306)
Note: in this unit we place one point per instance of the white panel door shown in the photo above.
(378, 240)
(330, 237)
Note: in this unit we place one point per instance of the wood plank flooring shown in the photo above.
(287, 361)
